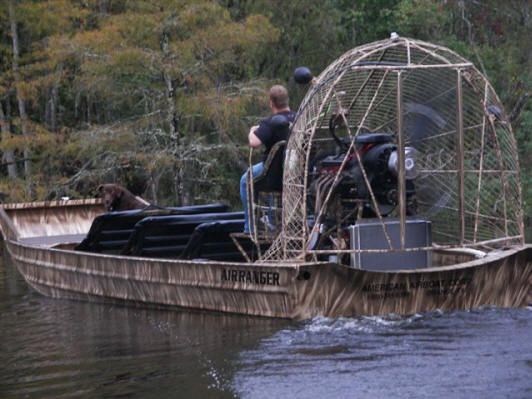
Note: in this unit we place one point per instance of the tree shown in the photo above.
(153, 68)
(28, 71)
(18, 82)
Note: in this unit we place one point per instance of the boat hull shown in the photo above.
(295, 291)
(503, 280)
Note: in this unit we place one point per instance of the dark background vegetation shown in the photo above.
(158, 95)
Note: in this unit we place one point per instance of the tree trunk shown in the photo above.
(154, 185)
(8, 156)
(102, 5)
(173, 120)
(51, 104)
(55, 96)
(77, 105)
(16, 75)
(516, 111)
(88, 114)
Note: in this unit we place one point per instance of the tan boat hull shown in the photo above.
(287, 290)
(295, 291)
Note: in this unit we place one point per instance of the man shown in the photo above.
(266, 134)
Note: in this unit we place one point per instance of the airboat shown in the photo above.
(397, 191)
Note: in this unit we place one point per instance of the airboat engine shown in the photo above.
(379, 159)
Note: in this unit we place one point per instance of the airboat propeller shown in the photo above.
(396, 129)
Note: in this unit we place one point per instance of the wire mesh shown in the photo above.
(468, 182)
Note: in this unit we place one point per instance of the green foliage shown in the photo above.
(156, 91)
(524, 141)
(423, 19)
(365, 21)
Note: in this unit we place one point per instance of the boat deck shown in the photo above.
(51, 241)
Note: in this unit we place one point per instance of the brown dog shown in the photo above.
(116, 198)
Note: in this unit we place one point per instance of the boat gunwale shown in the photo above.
(284, 264)
(51, 204)
(197, 261)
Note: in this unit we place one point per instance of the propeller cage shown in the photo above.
(458, 156)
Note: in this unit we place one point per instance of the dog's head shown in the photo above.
(111, 194)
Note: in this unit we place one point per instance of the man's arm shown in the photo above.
(254, 141)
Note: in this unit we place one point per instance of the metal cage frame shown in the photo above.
(470, 158)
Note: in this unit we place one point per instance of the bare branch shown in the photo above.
(516, 111)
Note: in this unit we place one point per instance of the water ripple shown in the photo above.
(352, 357)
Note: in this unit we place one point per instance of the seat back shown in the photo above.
(167, 236)
(212, 240)
(266, 194)
(110, 232)
(271, 178)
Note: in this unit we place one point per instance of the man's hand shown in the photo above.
(254, 141)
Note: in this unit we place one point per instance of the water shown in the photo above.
(55, 348)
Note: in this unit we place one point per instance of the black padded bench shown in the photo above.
(212, 240)
(168, 236)
(110, 232)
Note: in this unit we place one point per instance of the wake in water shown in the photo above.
(467, 354)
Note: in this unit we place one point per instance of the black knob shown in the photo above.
(302, 75)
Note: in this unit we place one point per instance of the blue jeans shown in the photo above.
(257, 170)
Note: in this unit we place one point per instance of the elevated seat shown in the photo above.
(267, 193)
(110, 232)
(271, 178)
(168, 236)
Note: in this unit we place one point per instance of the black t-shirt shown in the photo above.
(269, 136)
